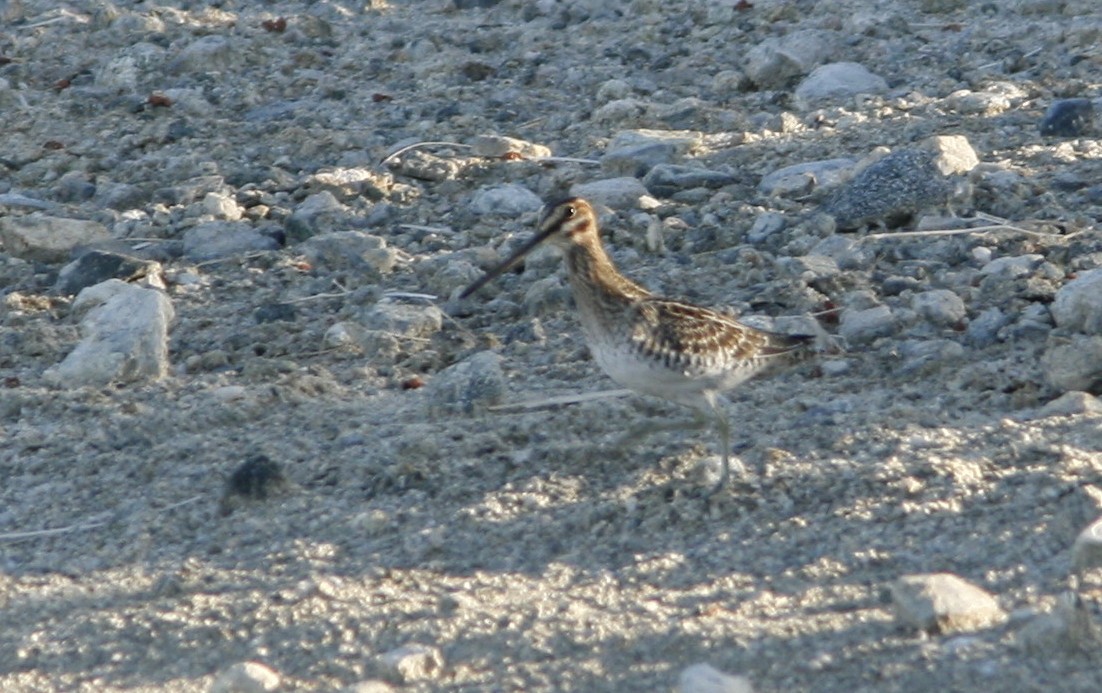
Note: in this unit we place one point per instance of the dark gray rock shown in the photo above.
(1068, 118)
(664, 180)
(97, 266)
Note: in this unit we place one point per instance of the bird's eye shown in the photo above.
(571, 211)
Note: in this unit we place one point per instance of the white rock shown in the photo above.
(246, 677)
(838, 80)
(125, 337)
(48, 239)
(1086, 552)
(943, 603)
(505, 200)
(221, 206)
(939, 306)
(1072, 404)
(703, 678)
(954, 153)
(1078, 304)
(413, 662)
(615, 193)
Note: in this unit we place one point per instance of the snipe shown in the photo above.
(656, 346)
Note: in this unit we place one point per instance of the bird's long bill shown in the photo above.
(513, 259)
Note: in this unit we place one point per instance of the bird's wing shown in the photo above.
(691, 334)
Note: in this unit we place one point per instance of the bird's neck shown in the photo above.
(593, 276)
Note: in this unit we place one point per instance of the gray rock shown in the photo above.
(354, 251)
(920, 355)
(75, 186)
(1013, 266)
(939, 306)
(424, 166)
(246, 677)
(704, 678)
(498, 146)
(217, 239)
(124, 337)
(1073, 364)
(404, 320)
(48, 239)
(1034, 322)
(890, 191)
(666, 179)
(943, 603)
(863, 326)
(98, 266)
(765, 225)
(413, 662)
(545, 296)
(983, 330)
(319, 213)
(848, 252)
(802, 178)
(1072, 404)
(683, 141)
(510, 199)
(211, 53)
(978, 103)
(776, 60)
(126, 71)
(810, 268)
(615, 193)
(838, 81)
(1078, 304)
(637, 160)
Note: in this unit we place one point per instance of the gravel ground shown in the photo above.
(333, 470)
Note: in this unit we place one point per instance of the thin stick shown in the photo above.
(409, 294)
(234, 258)
(313, 297)
(1000, 225)
(34, 534)
(528, 405)
(415, 145)
(565, 159)
(430, 229)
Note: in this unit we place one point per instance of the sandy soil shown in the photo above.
(534, 548)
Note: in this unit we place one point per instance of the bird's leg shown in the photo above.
(723, 425)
